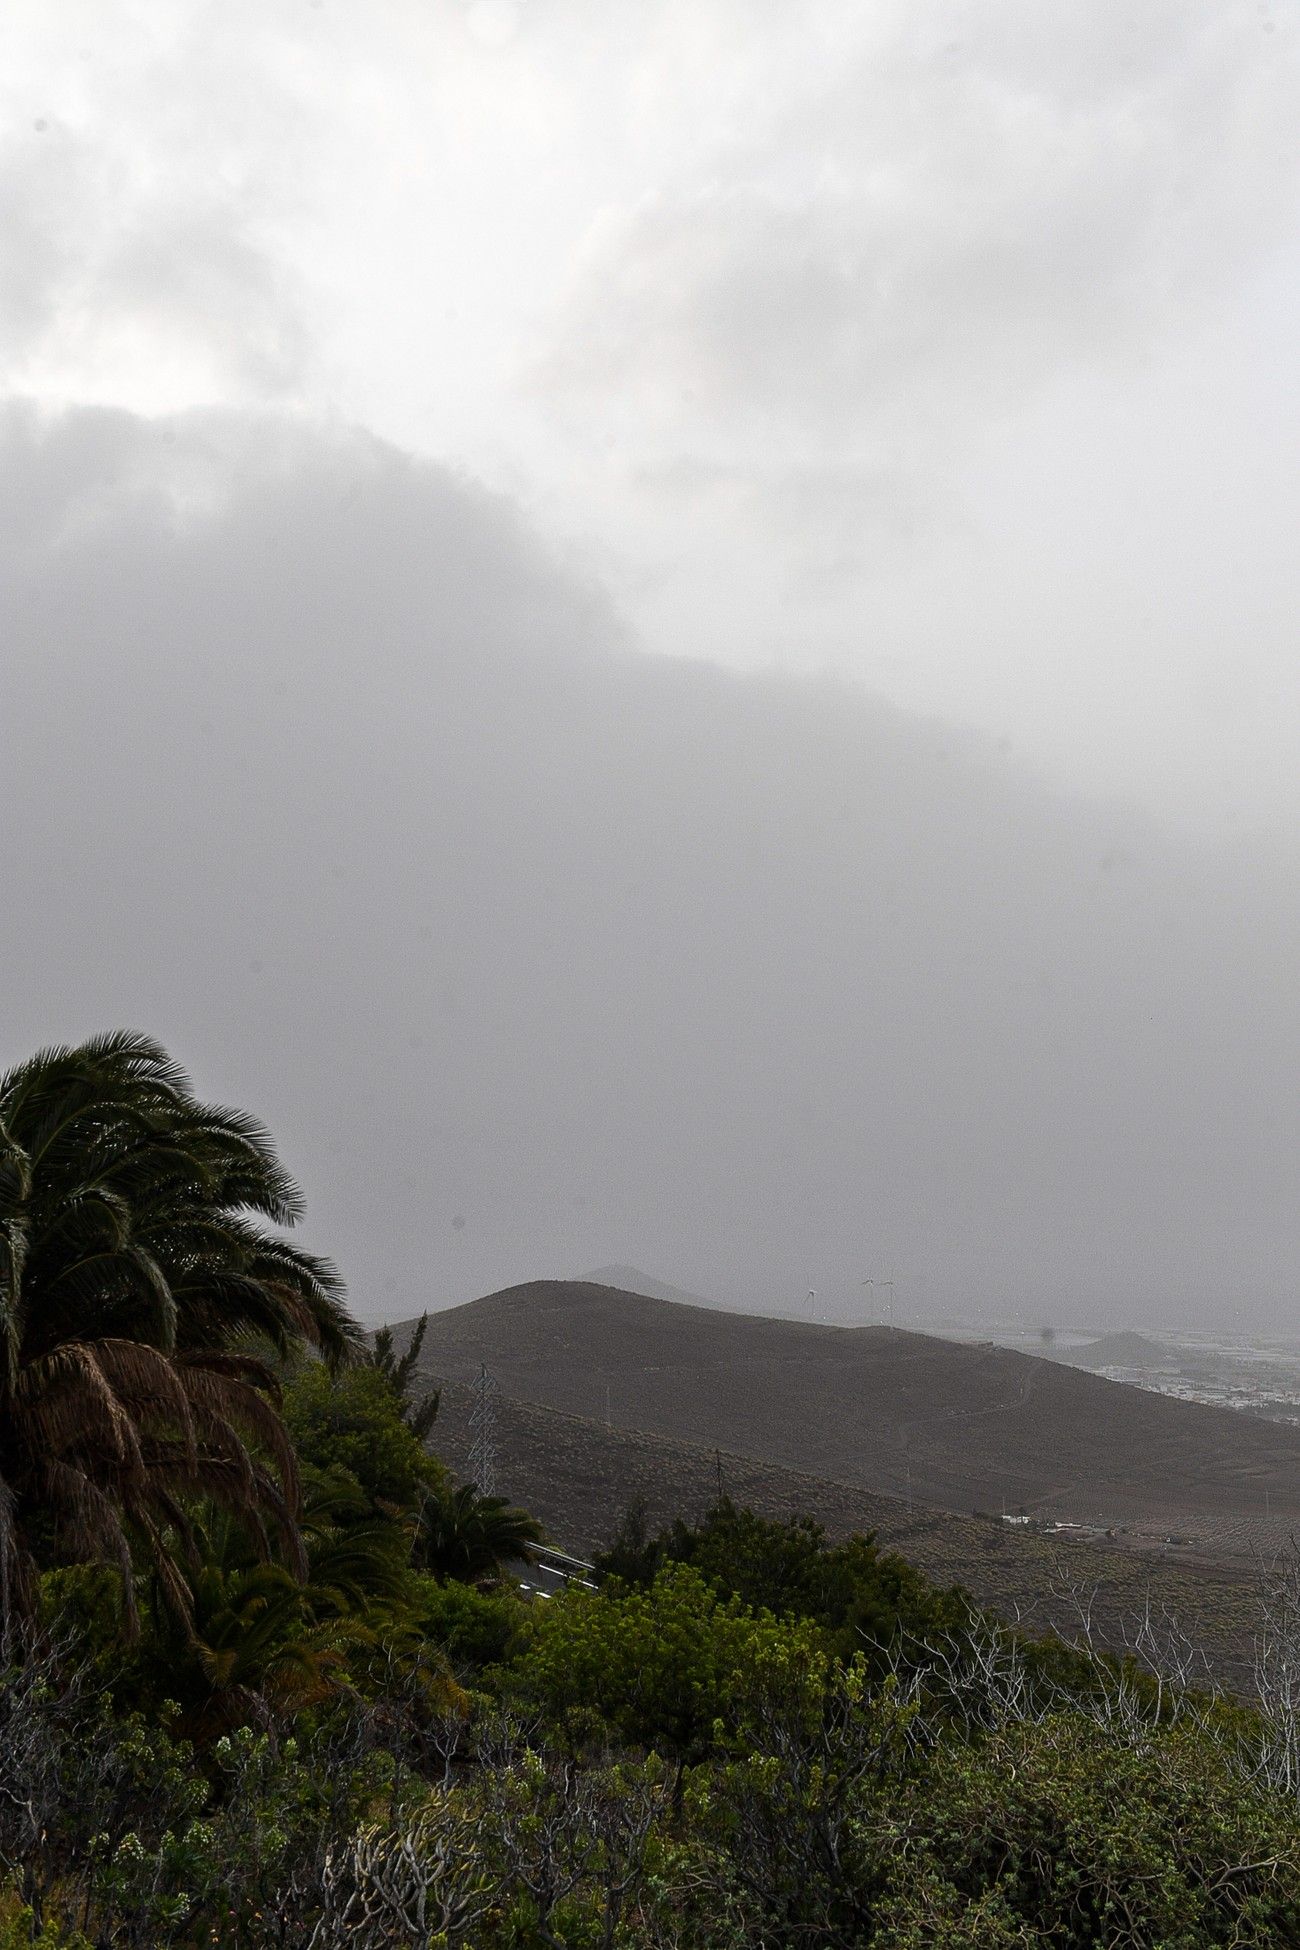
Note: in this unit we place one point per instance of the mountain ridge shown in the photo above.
(953, 1425)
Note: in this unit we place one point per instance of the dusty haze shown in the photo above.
(667, 634)
(538, 951)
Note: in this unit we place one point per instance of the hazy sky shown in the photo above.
(666, 632)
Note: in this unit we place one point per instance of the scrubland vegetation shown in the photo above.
(269, 1679)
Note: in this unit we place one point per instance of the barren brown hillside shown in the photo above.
(579, 1475)
(956, 1427)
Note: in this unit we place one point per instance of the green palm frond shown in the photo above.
(465, 1536)
(144, 1302)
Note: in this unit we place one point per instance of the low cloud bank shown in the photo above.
(538, 952)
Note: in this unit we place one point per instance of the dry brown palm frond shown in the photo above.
(145, 1380)
(251, 1519)
(221, 1468)
(88, 1522)
(229, 1478)
(286, 1523)
(68, 1401)
(220, 1438)
(234, 1401)
(240, 1366)
(173, 1512)
(176, 1593)
(220, 1476)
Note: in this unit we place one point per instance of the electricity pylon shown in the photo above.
(483, 1425)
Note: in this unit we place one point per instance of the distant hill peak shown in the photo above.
(1122, 1350)
(630, 1279)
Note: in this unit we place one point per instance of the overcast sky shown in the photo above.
(666, 632)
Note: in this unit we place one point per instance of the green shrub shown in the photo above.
(867, 1599)
(472, 1628)
(659, 1666)
(353, 1421)
(19, 1930)
(1062, 1833)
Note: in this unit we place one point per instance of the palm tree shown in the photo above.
(143, 1301)
(264, 1644)
(257, 1651)
(469, 1537)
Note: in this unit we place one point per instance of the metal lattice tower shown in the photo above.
(483, 1426)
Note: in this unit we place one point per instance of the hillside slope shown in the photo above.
(954, 1426)
(579, 1475)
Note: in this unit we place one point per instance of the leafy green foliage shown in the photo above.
(474, 1628)
(352, 1422)
(867, 1599)
(799, 1800)
(1060, 1833)
(19, 1930)
(659, 1665)
(419, 1412)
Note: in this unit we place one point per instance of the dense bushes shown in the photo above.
(266, 1684)
(659, 1667)
(353, 1422)
(867, 1600)
(1059, 1832)
(798, 1801)
(746, 1735)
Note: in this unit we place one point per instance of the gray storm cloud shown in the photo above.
(944, 344)
(538, 952)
